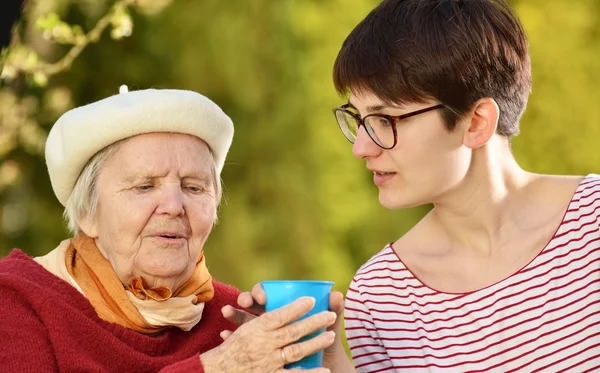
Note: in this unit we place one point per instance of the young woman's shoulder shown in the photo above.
(586, 198)
(587, 186)
(384, 260)
(390, 266)
(575, 192)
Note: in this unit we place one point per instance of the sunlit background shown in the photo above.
(298, 205)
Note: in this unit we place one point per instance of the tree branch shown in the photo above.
(91, 37)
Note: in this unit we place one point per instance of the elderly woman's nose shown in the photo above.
(171, 200)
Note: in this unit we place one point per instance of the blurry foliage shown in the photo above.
(298, 205)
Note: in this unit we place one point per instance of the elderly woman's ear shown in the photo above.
(88, 226)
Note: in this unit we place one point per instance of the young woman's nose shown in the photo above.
(364, 146)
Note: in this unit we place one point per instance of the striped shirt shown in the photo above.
(545, 317)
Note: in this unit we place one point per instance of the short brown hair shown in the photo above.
(453, 51)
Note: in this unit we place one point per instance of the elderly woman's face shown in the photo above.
(156, 207)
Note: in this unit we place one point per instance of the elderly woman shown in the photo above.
(139, 176)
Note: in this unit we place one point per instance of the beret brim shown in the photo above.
(81, 132)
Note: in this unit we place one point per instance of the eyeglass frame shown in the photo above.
(393, 119)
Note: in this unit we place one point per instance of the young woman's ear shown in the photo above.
(482, 123)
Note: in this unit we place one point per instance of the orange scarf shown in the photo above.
(103, 288)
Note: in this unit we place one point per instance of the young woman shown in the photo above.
(504, 273)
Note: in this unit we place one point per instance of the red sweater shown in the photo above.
(46, 325)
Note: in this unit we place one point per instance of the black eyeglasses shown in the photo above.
(381, 128)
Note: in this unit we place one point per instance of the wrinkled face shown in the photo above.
(427, 162)
(156, 208)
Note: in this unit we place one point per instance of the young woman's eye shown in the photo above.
(379, 122)
(383, 122)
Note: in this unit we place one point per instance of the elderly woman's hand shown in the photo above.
(254, 303)
(255, 347)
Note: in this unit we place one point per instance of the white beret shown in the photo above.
(81, 132)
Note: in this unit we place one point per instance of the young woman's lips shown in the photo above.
(380, 178)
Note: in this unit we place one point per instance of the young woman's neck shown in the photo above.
(484, 209)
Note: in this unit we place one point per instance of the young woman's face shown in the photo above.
(427, 161)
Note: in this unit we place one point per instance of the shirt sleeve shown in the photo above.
(367, 350)
(25, 343)
(192, 364)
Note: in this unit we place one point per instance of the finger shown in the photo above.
(236, 316)
(297, 351)
(282, 316)
(247, 302)
(259, 295)
(336, 302)
(294, 331)
(225, 334)
(314, 370)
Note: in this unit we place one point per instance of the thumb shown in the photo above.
(225, 334)
(336, 304)
(236, 316)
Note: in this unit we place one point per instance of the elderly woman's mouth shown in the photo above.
(169, 236)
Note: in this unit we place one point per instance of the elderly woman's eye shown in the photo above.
(144, 188)
(194, 189)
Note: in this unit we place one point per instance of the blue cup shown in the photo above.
(281, 293)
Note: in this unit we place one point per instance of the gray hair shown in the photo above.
(83, 201)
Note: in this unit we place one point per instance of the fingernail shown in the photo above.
(309, 301)
(332, 316)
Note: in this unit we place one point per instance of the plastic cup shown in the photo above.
(284, 292)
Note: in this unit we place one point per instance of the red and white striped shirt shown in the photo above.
(545, 317)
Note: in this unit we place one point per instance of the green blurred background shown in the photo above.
(297, 203)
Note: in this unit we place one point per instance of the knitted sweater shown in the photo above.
(46, 325)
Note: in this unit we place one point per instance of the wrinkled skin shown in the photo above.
(334, 357)
(255, 347)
